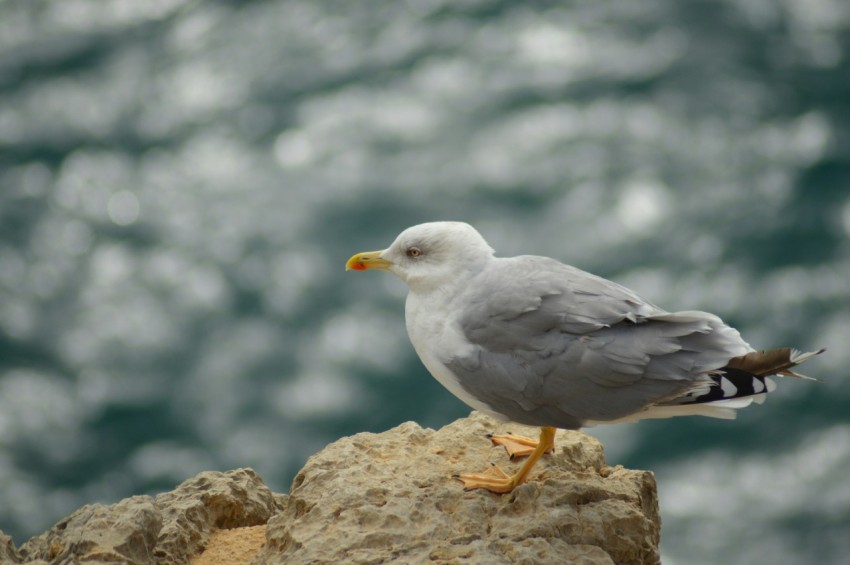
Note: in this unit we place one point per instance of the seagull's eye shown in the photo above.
(414, 252)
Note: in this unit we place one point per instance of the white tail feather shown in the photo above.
(723, 409)
(798, 356)
(658, 412)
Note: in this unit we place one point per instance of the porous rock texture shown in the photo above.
(383, 498)
(389, 498)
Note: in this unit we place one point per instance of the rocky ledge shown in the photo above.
(379, 498)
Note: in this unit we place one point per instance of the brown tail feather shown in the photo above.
(772, 362)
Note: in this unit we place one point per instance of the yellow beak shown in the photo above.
(368, 260)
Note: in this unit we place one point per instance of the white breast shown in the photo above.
(435, 337)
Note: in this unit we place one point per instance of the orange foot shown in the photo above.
(496, 480)
(519, 446)
(493, 479)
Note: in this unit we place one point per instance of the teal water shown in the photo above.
(181, 183)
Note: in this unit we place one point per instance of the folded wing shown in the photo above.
(554, 343)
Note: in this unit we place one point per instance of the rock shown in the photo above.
(210, 500)
(167, 529)
(119, 533)
(8, 553)
(378, 498)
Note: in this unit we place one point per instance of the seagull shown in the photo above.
(531, 340)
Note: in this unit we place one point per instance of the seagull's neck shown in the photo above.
(428, 309)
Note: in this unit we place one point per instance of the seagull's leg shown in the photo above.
(518, 446)
(496, 480)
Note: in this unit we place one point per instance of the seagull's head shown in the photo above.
(428, 256)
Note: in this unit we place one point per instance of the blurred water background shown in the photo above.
(181, 183)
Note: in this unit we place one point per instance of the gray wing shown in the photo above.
(554, 345)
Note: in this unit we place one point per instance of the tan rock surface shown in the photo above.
(382, 498)
(232, 547)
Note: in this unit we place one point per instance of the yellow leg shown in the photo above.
(496, 480)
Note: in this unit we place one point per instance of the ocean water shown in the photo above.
(181, 183)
